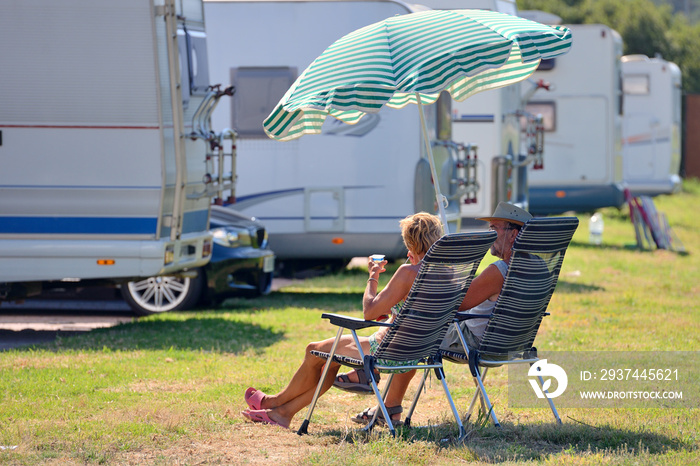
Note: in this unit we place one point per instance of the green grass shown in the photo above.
(167, 389)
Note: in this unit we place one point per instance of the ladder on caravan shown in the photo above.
(220, 183)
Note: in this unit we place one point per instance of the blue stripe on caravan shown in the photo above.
(474, 118)
(79, 225)
(269, 194)
(193, 222)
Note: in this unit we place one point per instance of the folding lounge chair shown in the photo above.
(416, 333)
(538, 253)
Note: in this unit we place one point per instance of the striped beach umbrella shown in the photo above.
(410, 59)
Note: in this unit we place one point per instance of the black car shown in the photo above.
(241, 265)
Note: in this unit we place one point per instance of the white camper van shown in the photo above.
(583, 125)
(97, 177)
(342, 193)
(651, 128)
(490, 121)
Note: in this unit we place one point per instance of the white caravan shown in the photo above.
(491, 122)
(651, 125)
(583, 125)
(97, 178)
(339, 194)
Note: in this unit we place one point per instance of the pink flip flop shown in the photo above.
(254, 398)
(260, 415)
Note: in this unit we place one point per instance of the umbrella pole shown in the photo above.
(436, 182)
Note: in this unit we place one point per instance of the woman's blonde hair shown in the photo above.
(420, 231)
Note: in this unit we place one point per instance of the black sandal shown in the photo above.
(365, 416)
(342, 381)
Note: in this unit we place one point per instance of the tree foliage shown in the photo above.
(646, 28)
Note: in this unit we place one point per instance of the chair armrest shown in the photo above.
(353, 322)
(460, 316)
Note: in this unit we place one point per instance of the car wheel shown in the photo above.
(154, 295)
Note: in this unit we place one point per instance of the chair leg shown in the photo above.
(372, 421)
(486, 399)
(441, 375)
(304, 425)
(407, 420)
(477, 393)
(551, 402)
(380, 401)
(471, 405)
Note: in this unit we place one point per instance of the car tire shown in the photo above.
(154, 295)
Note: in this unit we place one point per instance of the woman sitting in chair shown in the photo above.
(419, 232)
(481, 298)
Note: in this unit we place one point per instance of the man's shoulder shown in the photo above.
(502, 266)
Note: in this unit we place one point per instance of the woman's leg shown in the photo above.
(283, 414)
(300, 390)
(398, 388)
(397, 391)
(309, 373)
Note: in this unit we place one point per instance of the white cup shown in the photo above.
(377, 257)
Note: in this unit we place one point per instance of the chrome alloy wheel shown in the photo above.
(162, 294)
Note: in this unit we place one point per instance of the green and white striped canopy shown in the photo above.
(387, 63)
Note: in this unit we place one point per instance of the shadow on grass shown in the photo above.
(539, 441)
(200, 329)
(568, 287)
(280, 300)
(526, 442)
(607, 247)
(195, 333)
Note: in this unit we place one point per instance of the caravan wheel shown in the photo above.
(162, 294)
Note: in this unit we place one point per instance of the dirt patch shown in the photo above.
(252, 443)
(244, 444)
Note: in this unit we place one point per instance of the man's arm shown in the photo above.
(487, 285)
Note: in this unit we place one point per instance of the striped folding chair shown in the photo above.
(414, 337)
(538, 253)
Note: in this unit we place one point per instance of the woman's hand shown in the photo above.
(375, 268)
(374, 304)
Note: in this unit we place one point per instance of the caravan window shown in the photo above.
(635, 84)
(546, 109)
(258, 90)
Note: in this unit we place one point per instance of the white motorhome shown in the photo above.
(342, 193)
(97, 177)
(491, 121)
(583, 125)
(651, 125)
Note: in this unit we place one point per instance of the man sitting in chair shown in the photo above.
(481, 298)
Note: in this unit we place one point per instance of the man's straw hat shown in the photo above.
(509, 213)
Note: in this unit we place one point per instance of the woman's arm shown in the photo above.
(376, 305)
